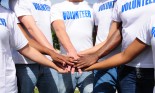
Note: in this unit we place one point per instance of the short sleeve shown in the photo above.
(17, 39)
(144, 34)
(116, 12)
(20, 7)
(56, 13)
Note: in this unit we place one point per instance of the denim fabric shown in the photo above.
(31, 75)
(136, 80)
(68, 82)
(105, 81)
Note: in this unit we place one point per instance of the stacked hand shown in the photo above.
(70, 63)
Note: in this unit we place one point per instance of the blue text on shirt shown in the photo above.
(136, 4)
(41, 7)
(2, 22)
(106, 6)
(153, 31)
(67, 15)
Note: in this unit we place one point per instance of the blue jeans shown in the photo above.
(31, 75)
(136, 80)
(105, 81)
(68, 82)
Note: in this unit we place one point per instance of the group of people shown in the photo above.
(26, 46)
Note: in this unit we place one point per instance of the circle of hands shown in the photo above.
(74, 63)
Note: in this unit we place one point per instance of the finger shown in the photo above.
(69, 63)
(61, 61)
(80, 71)
(69, 68)
(63, 71)
(60, 66)
(72, 70)
(75, 61)
(83, 66)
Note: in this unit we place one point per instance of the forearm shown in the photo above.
(110, 44)
(93, 49)
(35, 44)
(35, 32)
(122, 58)
(60, 30)
(116, 60)
(36, 56)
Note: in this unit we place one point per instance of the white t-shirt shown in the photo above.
(133, 15)
(10, 37)
(79, 22)
(40, 10)
(103, 12)
(147, 35)
(103, 18)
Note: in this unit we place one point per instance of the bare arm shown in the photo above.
(114, 36)
(122, 58)
(113, 40)
(35, 32)
(60, 30)
(36, 56)
(56, 57)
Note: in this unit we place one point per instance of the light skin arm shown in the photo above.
(113, 40)
(56, 57)
(36, 56)
(29, 22)
(60, 30)
(122, 58)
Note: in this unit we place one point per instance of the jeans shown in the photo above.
(105, 81)
(31, 75)
(136, 80)
(68, 82)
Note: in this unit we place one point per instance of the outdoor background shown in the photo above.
(5, 3)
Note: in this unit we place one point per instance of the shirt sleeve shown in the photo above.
(144, 34)
(17, 39)
(20, 7)
(56, 13)
(116, 12)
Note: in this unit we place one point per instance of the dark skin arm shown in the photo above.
(56, 57)
(113, 40)
(122, 58)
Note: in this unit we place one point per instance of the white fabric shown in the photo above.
(40, 10)
(133, 15)
(147, 35)
(103, 18)
(10, 37)
(79, 22)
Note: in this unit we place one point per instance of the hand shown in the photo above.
(62, 71)
(60, 68)
(72, 68)
(86, 60)
(62, 59)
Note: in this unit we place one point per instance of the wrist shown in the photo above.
(71, 51)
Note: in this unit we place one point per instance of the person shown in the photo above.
(145, 38)
(132, 16)
(79, 22)
(11, 37)
(105, 81)
(34, 17)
